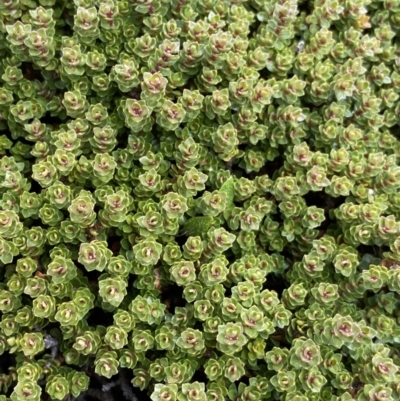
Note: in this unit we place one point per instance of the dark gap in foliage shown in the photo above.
(108, 68)
(232, 258)
(287, 252)
(54, 121)
(395, 131)
(134, 93)
(305, 7)
(35, 187)
(275, 282)
(99, 316)
(200, 194)
(278, 217)
(7, 133)
(26, 142)
(131, 280)
(250, 175)
(228, 292)
(375, 250)
(265, 73)
(154, 354)
(122, 139)
(97, 208)
(272, 166)
(7, 361)
(91, 275)
(118, 388)
(242, 146)
(369, 30)
(191, 83)
(325, 202)
(325, 224)
(172, 296)
(9, 389)
(128, 375)
(181, 239)
(88, 398)
(200, 376)
(31, 72)
(347, 360)
(198, 326)
(244, 379)
(254, 27)
(292, 253)
(114, 392)
(68, 26)
(114, 243)
(322, 200)
(280, 340)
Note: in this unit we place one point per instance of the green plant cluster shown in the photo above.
(202, 196)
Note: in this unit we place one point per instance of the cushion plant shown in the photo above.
(199, 200)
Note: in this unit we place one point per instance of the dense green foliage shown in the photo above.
(199, 200)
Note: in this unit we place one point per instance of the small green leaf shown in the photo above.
(197, 225)
(228, 188)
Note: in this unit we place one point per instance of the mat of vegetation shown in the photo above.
(199, 200)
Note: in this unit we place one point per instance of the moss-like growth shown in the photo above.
(199, 200)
